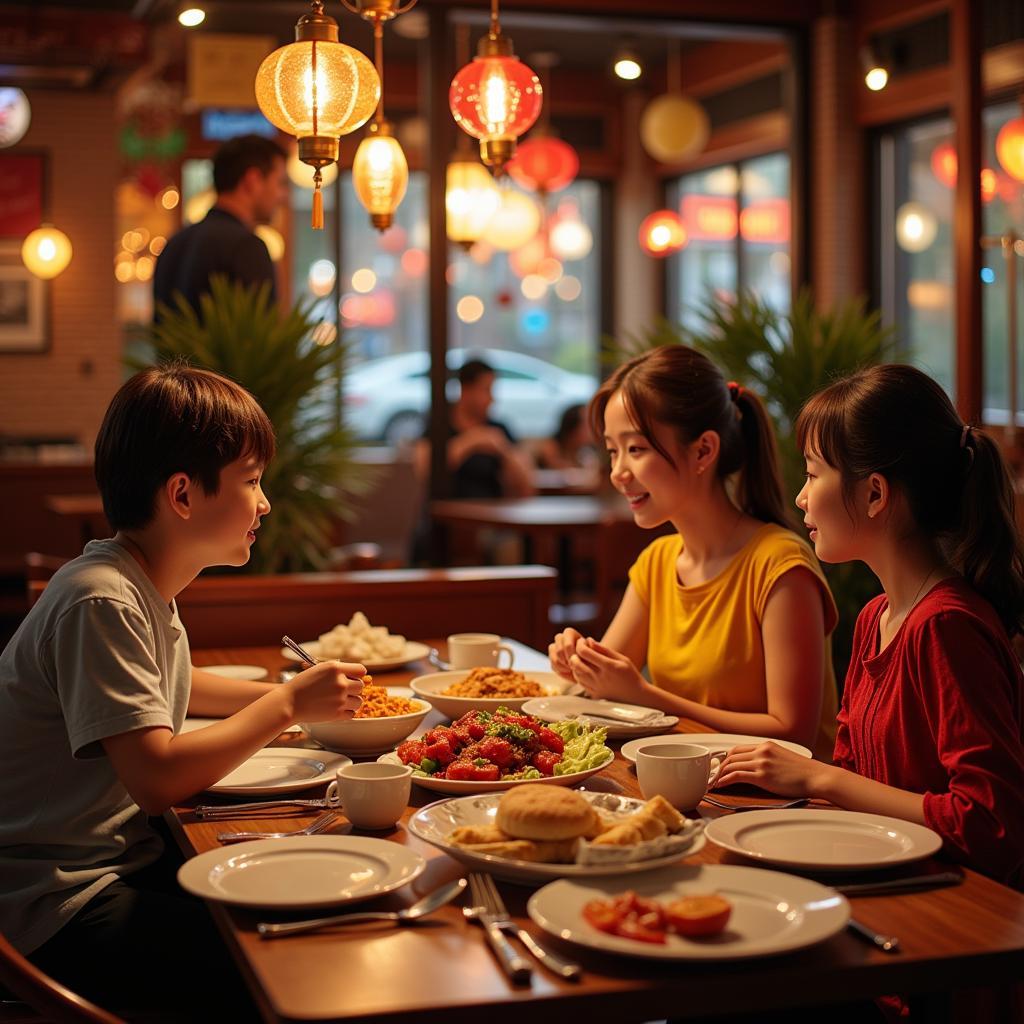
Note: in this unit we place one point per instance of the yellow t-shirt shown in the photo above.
(704, 642)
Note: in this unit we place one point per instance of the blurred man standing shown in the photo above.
(250, 181)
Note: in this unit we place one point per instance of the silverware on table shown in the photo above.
(212, 812)
(518, 969)
(886, 943)
(894, 885)
(802, 802)
(321, 824)
(299, 650)
(435, 659)
(490, 899)
(431, 902)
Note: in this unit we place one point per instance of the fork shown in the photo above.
(315, 828)
(518, 970)
(802, 802)
(488, 896)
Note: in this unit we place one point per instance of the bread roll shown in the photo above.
(544, 812)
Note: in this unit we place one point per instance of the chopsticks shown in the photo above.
(299, 650)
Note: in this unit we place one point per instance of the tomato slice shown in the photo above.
(604, 916)
(698, 915)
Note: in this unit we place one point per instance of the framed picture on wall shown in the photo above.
(23, 320)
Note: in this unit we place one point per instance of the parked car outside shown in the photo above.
(387, 399)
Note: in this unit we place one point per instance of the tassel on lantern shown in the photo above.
(317, 222)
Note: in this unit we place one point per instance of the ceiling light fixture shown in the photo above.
(190, 17)
(627, 65)
(876, 71)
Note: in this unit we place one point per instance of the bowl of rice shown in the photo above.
(386, 717)
(455, 692)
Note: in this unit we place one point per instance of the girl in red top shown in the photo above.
(931, 728)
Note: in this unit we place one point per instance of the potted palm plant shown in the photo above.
(786, 358)
(281, 358)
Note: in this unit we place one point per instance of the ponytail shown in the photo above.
(682, 389)
(986, 547)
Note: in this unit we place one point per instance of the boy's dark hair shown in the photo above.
(472, 370)
(173, 419)
(237, 155)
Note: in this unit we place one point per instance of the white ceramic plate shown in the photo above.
(281, 770)
(413, 652)
(711, 740)
(430, 688)
(366, 736)
(771, 912)
(190, 724)
(824, 840)
(302, 872)
(463, 788)
(254, 672)
(559, 709)
(435, 822)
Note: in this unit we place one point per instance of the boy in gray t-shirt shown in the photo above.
(95, 686)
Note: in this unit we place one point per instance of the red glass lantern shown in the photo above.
(662, 233)
(544, 164)
(495, 97)
(943, 163)
(1010, 148)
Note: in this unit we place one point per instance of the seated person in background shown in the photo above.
(481, 453)
(932, 724)
(731, 612)
(94, 689)
(572, 446)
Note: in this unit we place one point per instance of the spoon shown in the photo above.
(431, 902)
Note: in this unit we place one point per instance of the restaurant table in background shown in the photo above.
(951, 938)
(84, 509)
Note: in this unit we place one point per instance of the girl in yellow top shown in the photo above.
(731, 613)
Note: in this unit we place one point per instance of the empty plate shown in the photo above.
(301, 872)
(281, 770)
(711, 740)
(824, 840)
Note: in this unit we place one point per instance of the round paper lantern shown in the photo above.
(544, 164)
(471, 197)
(514, 223)
(674, 128)
(317, 89)
(662, 233)
(944, 163)
(916, 227)
(1010, 148)
(495, 98)
(46, 252)
(569, 237)
(380, 174)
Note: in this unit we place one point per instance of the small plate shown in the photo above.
(824, 840)
(281, 770)
(771, 912)
(253, 672)
(463, 788)
(301, 872)
(430, 687)
(711, 740)
(559, 709)
(435, 822)
(413, 652)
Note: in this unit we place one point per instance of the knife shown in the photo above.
(563, 968)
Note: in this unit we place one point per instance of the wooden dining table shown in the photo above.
(441, 969)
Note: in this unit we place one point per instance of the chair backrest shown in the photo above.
(52, 1000)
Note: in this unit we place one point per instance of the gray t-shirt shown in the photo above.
(101, 653)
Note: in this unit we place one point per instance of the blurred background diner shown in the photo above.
(797, 188)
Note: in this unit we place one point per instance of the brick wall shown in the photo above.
(64, 391)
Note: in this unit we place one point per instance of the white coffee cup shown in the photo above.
(677, 771)
(372, 795)
(469, 650)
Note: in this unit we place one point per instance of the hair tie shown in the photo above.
(735, 390)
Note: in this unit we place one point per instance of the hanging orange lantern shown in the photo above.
(1010, 148)
(317, 89)
(943, 162)
(496, 97)
(544, 164)
(662, 233)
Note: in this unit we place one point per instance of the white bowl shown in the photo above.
(429, 688)
(369, 735)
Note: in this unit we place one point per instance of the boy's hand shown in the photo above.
(327, 691)
(561, 649)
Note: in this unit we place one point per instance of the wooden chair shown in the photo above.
(50, 1000)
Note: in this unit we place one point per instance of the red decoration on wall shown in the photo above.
(21, 193)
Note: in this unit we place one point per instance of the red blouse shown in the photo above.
(941, 712)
